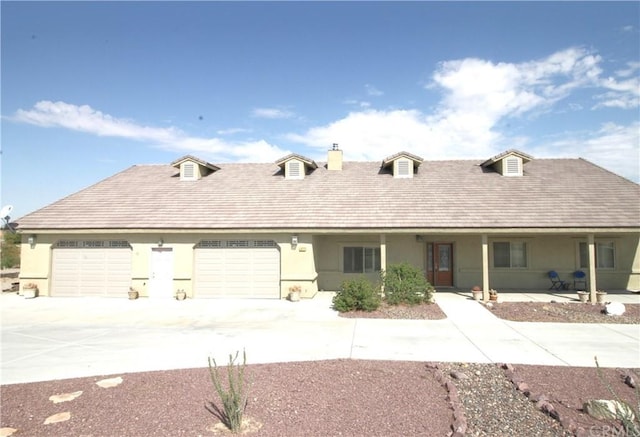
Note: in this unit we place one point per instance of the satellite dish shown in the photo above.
(5, 215)
(6, 211)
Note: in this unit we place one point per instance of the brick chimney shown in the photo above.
(334, 158)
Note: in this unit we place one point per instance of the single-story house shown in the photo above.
(256, 230)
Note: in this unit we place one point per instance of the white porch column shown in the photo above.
(592, 267)
(485, 267)
(383, 256)
(383, 252)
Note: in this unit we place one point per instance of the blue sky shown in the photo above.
(92, 88)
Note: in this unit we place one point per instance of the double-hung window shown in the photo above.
(510, 254)
(361, 259)
(605, 255)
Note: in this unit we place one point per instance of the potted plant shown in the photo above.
(294, 293)
(493, 295)
(583, 296)
(133, 293)
(600, 295)
(181, 294)
(30, 290)
(477, 292)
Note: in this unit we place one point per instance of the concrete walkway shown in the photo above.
(57, 338)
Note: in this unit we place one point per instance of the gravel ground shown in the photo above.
(340, 397)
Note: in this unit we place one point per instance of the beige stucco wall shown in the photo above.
(315, 263)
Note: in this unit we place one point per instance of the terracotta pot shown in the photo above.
(600, 296)
(493, 297)
(583, 296)
(181, 295)
(133, 295)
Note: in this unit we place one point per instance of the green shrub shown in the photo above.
(233, 394)
(404, 283)
(10, 250)
(356, 294)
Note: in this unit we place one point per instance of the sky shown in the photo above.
(92, 88)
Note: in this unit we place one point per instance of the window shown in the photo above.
(361, 259)
(510, 255)
(605, 255)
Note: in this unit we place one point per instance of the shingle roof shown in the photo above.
(564, 193)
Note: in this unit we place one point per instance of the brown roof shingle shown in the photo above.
(564, 193)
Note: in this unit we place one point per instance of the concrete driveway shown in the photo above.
(57, 338)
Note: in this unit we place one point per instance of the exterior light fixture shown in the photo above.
(160, 242)
(32, 241)
(294, 240)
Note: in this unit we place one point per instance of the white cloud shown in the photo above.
(88, 120)
(373, 91)
(478, 96)
(621, 93)
(612, 146)
(272, 113)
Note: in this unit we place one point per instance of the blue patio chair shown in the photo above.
(579, 280)
(556, 282)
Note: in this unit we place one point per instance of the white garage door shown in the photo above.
(237, 268)
(91, 268)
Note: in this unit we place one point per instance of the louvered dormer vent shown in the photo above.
(296, 166)
(193, 169)
(510, 163)
(403, 164)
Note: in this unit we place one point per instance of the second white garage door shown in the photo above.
(237, 268)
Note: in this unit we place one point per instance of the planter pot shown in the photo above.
(493, 297)
(294, 296)
(583, 296)
(477, 295)
(600, 296)
(30, 293)
(181, 295)
(133, 295)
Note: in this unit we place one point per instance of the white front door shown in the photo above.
(161, 277)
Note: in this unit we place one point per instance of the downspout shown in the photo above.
(485, 267)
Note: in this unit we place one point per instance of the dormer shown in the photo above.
(403, 164)
(509, 163)
(296, 166)
(193, 169)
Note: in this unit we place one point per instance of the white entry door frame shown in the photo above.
(161, 273)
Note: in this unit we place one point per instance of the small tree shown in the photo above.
(356, 294)
(404, 283)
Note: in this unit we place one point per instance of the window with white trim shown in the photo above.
(512, 254)
(605, 255)
(361, 259)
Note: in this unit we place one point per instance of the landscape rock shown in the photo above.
(614, 309)
(56, 399)
(60, 417)
(110, 382)
(6, 432)
(630, 381)
(605, 409)
(459, 375)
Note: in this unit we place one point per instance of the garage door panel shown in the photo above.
(82, 271)
(240, 271)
